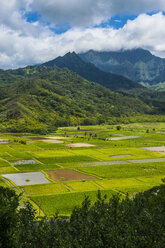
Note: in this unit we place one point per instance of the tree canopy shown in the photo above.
(137, 222)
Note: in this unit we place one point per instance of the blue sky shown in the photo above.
(35, 31)
(116, 21)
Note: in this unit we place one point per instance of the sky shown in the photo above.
(35, 31)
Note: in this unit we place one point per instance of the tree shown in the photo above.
(9, 202)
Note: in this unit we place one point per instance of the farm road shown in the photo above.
(134, 161)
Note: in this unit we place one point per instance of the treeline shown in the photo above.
(115, 222)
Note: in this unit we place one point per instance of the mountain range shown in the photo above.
(89, 71)
(70, 91)
(138, 65)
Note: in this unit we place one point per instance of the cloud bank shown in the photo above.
(92, 12)
(23, 43)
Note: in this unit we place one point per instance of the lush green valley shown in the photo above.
(80, 187)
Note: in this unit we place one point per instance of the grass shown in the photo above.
(54, 188)
(3, 183)
(126, 182)
(36, 167)
(126, 178)
(15, 156)
(4, 163)
(68, 159)
(152, 180)
(133, 190)
(50, 145)
(52, 153)
(83, 186)
(106, 154)
(9, 169)
(63, 204)
(126, 170)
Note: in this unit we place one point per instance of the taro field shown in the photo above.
(55, 171)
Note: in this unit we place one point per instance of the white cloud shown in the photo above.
(23, 43)
(92, 12)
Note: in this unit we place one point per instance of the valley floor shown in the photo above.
(56, 171)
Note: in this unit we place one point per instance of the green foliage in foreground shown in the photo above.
(133, 223)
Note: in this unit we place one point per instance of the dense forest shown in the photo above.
(59, 97)
(116, 222)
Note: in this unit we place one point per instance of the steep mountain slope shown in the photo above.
(59, 97)
(138, 65)
(89, 71)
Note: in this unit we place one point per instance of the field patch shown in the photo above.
(125, 170)
(124, 137)
(121, 182)
(152, 180)
(57, 137)
(68, 175)
(67, 159)
(27, 178)
(155, 148)
(4, 163)
(83, 186)
(63, 204)
(20, 162)
(36, 167)
(80, 145)
(44, 189)
(52, 153)
(149, 160)
(121, 156)
(3, 183)
(118, 162)
(52, 141)
(7, 169)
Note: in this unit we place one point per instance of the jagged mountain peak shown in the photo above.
(139, 65)
(89, 71)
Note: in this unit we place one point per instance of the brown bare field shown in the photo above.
(79, 145)
(68, 175)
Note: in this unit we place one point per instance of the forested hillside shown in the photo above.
(41, 98)
(89, 71)
(59, 97)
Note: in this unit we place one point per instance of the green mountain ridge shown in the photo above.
(41, 98)
(138, 65)
(90, 72)
(58, 97)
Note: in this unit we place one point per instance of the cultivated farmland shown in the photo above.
(57, 170)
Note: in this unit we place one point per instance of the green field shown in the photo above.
(63, 204)
(119, 166)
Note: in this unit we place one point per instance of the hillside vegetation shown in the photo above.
(59, 97)
(89, 71)
(41, 98)
(138, 65)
